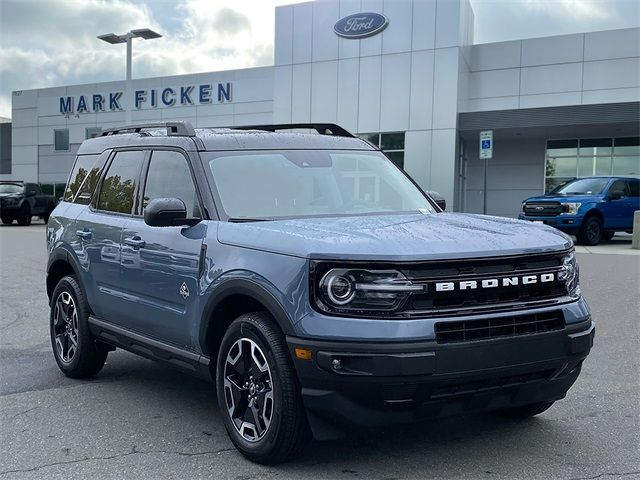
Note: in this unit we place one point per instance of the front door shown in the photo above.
(160, 265)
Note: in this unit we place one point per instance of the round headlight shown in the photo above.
(339, 288)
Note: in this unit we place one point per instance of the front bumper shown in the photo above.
(384, 383)
(566, 223)
(10, 210)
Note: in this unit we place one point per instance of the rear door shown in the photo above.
(99, 232)
(161, 264)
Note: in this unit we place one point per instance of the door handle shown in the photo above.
(135, 242)
(85, 234)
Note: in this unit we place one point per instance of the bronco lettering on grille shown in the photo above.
(495, 282)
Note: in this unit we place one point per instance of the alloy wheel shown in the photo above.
(248, 389)
(65, 326)
(593, 231)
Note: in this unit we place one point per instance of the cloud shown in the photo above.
(53, 43)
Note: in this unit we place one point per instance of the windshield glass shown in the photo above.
(303, 183)
(10, 188)
(582, 186)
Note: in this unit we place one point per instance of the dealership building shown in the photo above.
(404, 74)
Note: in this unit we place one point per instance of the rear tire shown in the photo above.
(74, 348)
(25, 216)
(7, 220)
(590, 232)
(258, 391)
(524, 411)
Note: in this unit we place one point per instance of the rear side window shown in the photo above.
(169, 176)
(84, 178)
(634, 188)
(118, 189)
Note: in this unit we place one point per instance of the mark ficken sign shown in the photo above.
(203, 94)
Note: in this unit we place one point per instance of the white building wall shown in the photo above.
(586, 68)
(402, 80)
(36, 115)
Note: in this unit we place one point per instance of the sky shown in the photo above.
(46, 43)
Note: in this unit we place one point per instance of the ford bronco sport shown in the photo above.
(310, 278)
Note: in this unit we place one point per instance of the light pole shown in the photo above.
(112, 38)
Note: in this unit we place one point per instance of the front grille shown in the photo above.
(469, 330)
(447, 302)
(469, 299)
(542, 209)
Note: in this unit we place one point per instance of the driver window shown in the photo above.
(620, 186)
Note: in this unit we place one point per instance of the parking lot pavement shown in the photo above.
(139, 419)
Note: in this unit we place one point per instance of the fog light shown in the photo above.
(336, 364)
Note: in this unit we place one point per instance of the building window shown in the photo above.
(61, 139)
(568, 159)
(392, 144)
(91, 132)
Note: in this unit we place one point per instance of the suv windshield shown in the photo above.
(304, 183)
(10, 188)
(583, 186)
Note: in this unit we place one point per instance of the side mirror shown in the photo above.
(439, 199)
(167, 212)
(616, 195)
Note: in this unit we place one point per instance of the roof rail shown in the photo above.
(178, 129)
(321, 128)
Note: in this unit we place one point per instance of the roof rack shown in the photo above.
(321, 128)
(178, 129)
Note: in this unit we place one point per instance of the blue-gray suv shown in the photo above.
(310, 279)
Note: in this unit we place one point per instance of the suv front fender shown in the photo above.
(247, 284)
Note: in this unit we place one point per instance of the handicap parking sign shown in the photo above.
(486, 144)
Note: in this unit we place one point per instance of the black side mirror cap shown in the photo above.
(167, 212)
(438, 199)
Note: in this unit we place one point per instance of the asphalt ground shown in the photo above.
(139, 419)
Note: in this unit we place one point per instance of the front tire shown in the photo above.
(525, 411)
(258, 391)
(74, 348)
(7, 220)
(608, 235)
(590, 232)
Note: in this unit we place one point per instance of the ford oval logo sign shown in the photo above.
(360, 25)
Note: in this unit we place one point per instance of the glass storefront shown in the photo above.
(568, 159)
(392, 144)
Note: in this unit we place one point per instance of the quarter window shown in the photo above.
(119, 186)
(169, 176)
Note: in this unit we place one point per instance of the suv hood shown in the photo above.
(396, 237)
(565, 198)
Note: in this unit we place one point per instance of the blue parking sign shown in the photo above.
(486, 144)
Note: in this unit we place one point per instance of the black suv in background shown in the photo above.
(22, 200)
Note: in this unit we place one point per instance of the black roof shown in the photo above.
(268, 137)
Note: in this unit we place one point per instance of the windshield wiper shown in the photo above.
(248, 219)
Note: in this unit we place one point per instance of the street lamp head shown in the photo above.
(145, 33)
(112, 38)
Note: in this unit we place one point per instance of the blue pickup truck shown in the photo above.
(592, 208)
